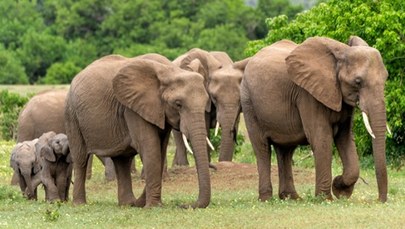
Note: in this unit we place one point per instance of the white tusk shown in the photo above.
(367, 124)
(186, 144)
(210, 144)
(216, 129)
(389, 130)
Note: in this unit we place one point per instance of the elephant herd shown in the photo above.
(290, 95)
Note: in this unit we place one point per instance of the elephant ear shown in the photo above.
(47, 153)
(241, 65)
(137, 84)
(356, 41)
(222, 57)
(13, 157)
(313, 66)
(207, 60)
(196, 66)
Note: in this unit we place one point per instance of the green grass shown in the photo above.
(229, 208)
(30, 89)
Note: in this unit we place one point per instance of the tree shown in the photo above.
(12, 71)
(380, 23)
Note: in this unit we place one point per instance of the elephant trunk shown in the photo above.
(198, 137)
(378, 123)
(65, 149)
(29, 191)
(229, 131)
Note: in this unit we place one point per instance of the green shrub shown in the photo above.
(216, 142)
(61, 73)
(10, 106)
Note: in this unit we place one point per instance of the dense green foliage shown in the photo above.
(10, 107)
(382, 24)
(49, 41)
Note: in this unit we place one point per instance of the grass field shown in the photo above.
(29, 89)
(234, 200)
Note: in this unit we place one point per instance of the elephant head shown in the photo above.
(26, 164)
(164, 94)
(52, 146)
(223, 78)
(336, 73)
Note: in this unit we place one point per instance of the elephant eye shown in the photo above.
(178, 104)
(358, 82)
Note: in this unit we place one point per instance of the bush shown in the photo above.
(61, 73)
(10, 106)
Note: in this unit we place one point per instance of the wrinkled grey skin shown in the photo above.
(56, 163)
(222, 82)
(45, 112)
(26, 166)
(305, 94)
(119, 107)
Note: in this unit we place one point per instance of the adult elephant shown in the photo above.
(43, 113)
(305, 94)
(222, 82)
(118, 107)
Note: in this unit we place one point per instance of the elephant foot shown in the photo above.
(77, 202)
(289, 195)
(265, 196)
(127, 201)
(154, 204)
(140, 202)
(340, 189)
(54, 199)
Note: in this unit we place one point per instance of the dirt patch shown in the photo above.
(229, 176)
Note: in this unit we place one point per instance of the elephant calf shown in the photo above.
(26, 165)
(56, 163)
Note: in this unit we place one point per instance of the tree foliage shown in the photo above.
(382, 24)
(47, 36)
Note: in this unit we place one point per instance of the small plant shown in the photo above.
(7, 193)
(52, 215)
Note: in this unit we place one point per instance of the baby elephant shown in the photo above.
(56, 165)
(26, 164)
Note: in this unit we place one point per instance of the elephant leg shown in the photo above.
(286, 179)
(36, 180)
(79, 189)
(343, 185)
(262, 151)
(122, 165)
(109, 169)
(322, 149)
(133, 166)
(165, 143)
(61, 183)
(180, 156)
(89, 167)
(50, 184)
